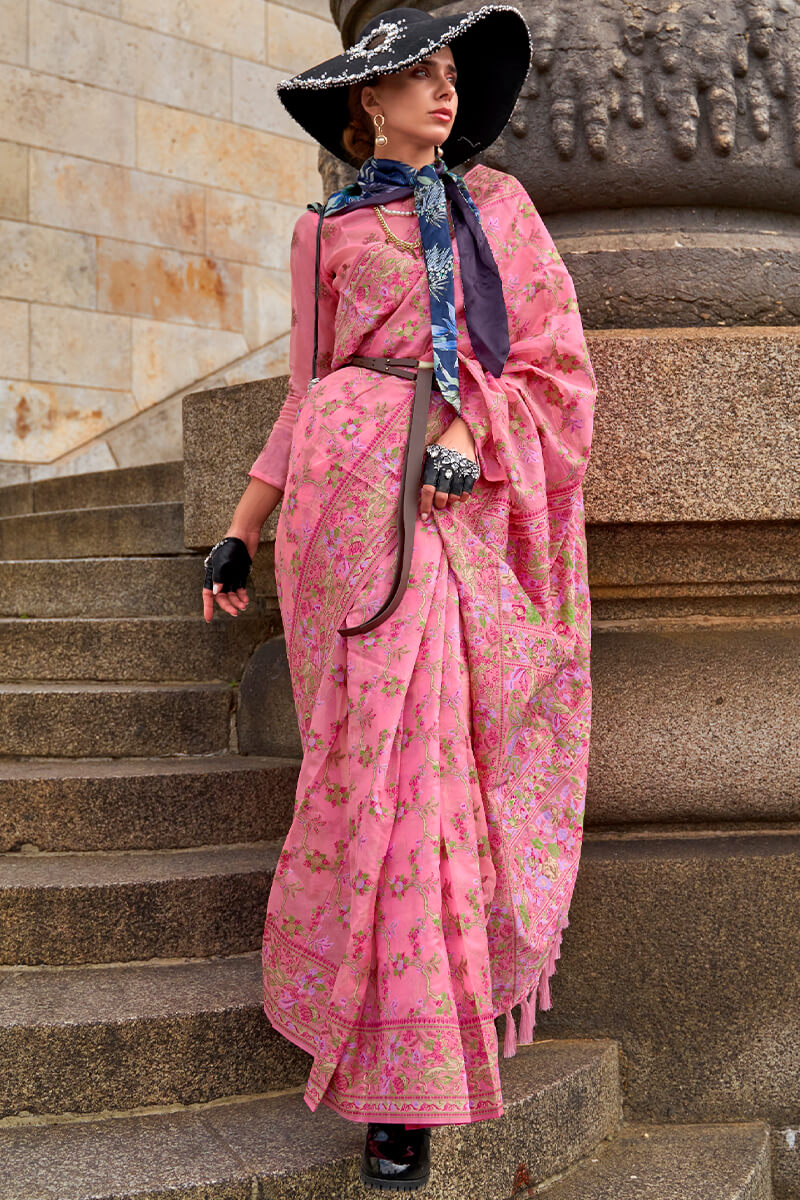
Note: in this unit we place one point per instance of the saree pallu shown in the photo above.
(427, 875)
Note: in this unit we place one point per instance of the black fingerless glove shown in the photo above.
(448, 470)
(228, 563)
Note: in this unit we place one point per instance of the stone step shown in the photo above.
(79, 720)
(131, 648)
(101, 587)
(109, 906)
(95, 532)
(148, 484)
(132, 586)
(86, 1039)
(273, 1145)
(719, 1161)
(52, 804)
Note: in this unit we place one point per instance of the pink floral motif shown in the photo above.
(426, 879)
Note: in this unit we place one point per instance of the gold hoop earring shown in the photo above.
(380, 138)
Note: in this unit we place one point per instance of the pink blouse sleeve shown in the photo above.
(272, 464)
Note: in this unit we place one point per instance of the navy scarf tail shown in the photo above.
(484, 302)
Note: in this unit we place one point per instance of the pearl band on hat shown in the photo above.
(323, 79)
(362, 46)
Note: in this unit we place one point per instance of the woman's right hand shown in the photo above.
(231, 602)
(258, 500)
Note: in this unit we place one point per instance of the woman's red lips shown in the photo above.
(441, 112)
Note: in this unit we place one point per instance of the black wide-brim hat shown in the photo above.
(492, 50)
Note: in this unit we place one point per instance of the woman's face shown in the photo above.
(408, 100)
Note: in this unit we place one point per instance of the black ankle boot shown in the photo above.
(395, 1157)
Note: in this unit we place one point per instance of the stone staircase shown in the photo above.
(136, 853)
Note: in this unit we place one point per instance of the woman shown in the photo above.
(444, 710)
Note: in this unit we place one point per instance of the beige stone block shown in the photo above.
(111, 54)
(314, 188)
(13, 31)
(78, 347)
(259, 364)
(220, 154)
(12, 473)
(147, 281)
(168, 357)
(96, 457)
(256, 103)
(269, 360)
(115, 201)
(41, 421)
(41, 110)
(46, 264)
(249, 230)
(267, 305)
(155, 435)
(107, 8)
(13, 339)
(316, 8)
(13, 180)
(297, 40)
(235, 26)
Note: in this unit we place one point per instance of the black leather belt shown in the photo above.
(412, 473)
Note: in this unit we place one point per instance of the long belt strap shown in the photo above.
(409, 484)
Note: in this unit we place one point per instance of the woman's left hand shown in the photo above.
(458, 437)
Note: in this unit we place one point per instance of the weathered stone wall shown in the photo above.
(149, 182)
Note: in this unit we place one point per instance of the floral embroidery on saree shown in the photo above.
(425, 882)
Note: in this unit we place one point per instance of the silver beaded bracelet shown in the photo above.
(450, 460)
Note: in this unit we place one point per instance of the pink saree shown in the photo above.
(427, 875)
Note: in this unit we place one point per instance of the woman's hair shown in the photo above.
(358, 137)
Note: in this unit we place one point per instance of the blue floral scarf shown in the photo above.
(382, 180)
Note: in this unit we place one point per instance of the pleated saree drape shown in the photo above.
(426, 878)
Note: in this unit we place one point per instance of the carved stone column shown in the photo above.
(661, 140)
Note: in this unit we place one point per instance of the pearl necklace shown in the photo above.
(412, 247)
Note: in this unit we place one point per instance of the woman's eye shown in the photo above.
(453, 78)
